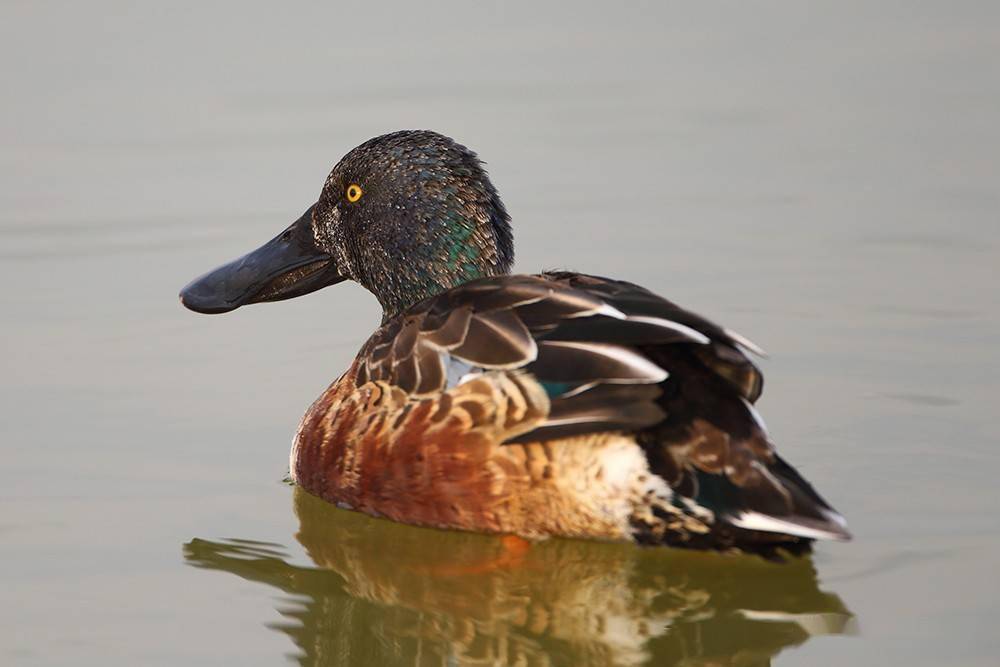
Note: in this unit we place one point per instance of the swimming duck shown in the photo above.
(555, 404)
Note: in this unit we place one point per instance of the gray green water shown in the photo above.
(822, 177)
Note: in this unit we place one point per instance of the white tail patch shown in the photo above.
(770, 524)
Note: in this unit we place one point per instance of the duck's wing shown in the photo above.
(584, 338)
(712, 445)
(613, 356)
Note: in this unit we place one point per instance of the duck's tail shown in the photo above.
(714, 452)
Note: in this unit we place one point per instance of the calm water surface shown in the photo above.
(822, 178)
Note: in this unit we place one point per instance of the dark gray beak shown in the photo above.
(287, 266)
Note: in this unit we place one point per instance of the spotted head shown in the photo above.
(407, 215)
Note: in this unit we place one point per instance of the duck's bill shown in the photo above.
(287, 266)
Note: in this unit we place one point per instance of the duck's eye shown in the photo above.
(353, 192)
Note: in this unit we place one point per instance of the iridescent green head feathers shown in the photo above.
(411, 214)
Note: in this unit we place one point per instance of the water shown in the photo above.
(820, 178)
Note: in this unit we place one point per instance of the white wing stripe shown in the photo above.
(648, 371)
(770, 524)
(745, 342)
(695, 336)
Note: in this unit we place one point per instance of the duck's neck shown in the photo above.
(404, 289)
(455, 252)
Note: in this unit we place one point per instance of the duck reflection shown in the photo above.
(387, 594)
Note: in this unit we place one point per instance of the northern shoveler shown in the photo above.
(551, 404)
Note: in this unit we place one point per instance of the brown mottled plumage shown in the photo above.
(552, 404)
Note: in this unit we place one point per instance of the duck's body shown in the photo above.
(554, 404)
(444, 461)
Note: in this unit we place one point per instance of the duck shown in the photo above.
(556, 404)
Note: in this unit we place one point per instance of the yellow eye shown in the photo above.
(353, 192)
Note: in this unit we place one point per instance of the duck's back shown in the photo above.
(559, 404)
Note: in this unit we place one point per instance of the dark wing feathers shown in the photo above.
(496, 339)
(611, 329)
(614, 356)
(447, 331)
(577, 363)
(568, 330)
(629, 407)
(723, 355)
(734, 367)
(430, 366)
(714, 446)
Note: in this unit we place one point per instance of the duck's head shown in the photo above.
(407, 215)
